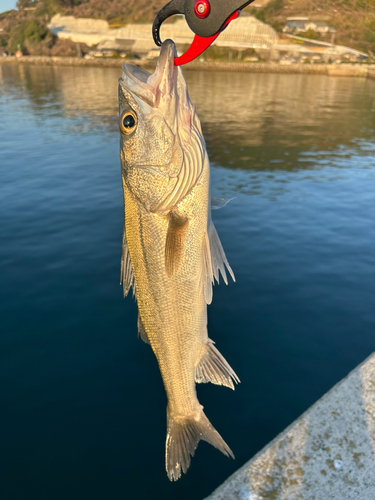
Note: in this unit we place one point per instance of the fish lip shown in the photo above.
(165, 63)
(140, 82)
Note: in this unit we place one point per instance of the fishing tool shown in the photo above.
(206, 18)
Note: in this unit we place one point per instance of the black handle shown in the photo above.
(172, 8)
(219, 13)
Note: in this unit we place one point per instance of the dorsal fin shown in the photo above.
(126, 274)
(218, 258)
(213, 261)
(175, 242)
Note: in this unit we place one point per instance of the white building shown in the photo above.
(245, 32)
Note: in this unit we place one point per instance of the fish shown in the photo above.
(171, 252)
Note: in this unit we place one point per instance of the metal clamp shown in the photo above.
(206, 18)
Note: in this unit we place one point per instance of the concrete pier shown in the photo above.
(328, 453)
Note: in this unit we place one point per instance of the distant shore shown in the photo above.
(359, 70)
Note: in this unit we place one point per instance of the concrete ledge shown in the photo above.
(245, 67)
(348, 70)
(328, 453)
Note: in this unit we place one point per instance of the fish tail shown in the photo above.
(183, 436)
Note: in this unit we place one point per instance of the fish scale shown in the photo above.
(172, 310)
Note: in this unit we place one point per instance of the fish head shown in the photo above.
(157, 123)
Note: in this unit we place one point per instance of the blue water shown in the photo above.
(82, 402)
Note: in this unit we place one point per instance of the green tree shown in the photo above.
(313, 35)
(21, 4)
(32, 31)
(370, 32)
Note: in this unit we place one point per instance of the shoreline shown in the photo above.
(357, 70)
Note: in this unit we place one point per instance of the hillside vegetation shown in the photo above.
(354, 20)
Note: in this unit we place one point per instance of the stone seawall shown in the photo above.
(67, 61)
(364, 71)
(327, 454)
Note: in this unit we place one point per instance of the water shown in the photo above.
(82, 402)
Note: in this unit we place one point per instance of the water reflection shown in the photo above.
(38, 85)
(298, 319)
(267, 120)
(251, 121)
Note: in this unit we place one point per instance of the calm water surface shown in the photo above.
(82, 402)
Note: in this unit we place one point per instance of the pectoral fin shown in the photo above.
(217, 203)
(175, 243)
(126, 274)
(207, 278)
(141, 331)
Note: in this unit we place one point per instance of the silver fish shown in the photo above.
(171, 252)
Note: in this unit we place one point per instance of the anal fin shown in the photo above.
(175, 243)
(214, 368)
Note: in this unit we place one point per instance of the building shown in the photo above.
(245, 32)
(304, 25)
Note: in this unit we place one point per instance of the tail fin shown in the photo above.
(183, 436)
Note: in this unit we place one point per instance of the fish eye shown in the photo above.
(128, 122)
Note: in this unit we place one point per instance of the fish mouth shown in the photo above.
(147, 86)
